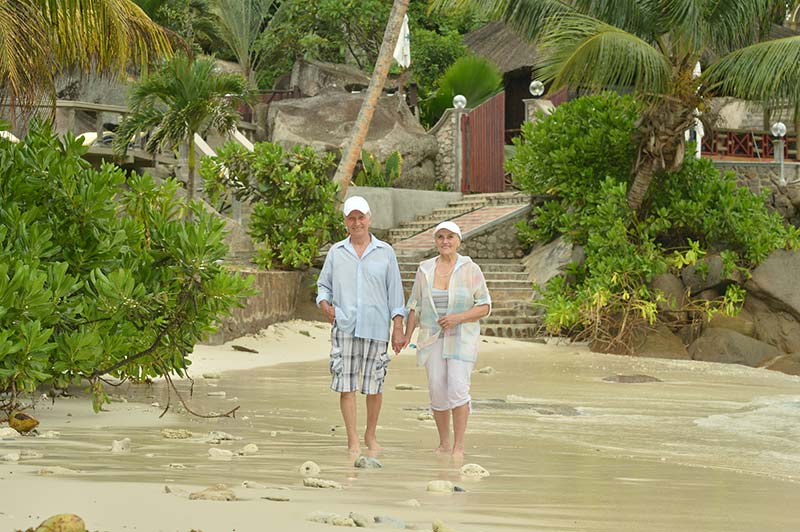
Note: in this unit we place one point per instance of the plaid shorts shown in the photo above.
(351, 356)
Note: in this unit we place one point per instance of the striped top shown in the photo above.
(439, 301)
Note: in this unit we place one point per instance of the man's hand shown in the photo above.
(451, 320)
(398, 339)
(329, 311)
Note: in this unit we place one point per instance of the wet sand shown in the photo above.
(709, 448)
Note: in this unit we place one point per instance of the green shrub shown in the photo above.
(294, 200)
(375, 174)
(100, 275)
(434, 53)
(577, 162)
(474, 77)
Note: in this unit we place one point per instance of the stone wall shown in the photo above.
(447, 164)
(496, 242)
(761, 176)
(276, 301)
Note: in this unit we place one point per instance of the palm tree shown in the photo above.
(181, 99)
(652, 47)
(40, 39)
(359, 133)
(241, 23)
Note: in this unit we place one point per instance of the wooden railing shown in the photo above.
(737, 143)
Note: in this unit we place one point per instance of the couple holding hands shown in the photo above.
(361, 294)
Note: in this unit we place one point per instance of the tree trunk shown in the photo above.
(352, 149)
(190, 185)
(641, 182)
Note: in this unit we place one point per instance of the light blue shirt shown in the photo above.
(366, 292)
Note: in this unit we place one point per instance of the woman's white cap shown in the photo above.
(355, 203)
(450, 226)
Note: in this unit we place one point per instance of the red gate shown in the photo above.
(483, 145)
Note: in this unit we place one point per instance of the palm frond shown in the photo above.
(581, 51)
(768, 72)
(241, 23)
(733, 24)
(24, 60)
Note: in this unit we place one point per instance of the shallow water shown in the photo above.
(710, 448)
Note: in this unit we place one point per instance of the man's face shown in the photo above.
(357, 223)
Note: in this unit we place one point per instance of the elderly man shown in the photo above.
(360, 292)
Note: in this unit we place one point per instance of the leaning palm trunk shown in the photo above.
(661, 146)
(190, 183)
(353, 145)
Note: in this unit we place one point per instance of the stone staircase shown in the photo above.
(512, 315)
(455, 209)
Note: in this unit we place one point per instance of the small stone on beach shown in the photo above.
(487, 370)
(631, 379)
(7, 433)
(309, 469)
(250, 448)
(366, 462)
(440, 486)
(220, 454)
(390, 521)
(311, 482)
(253, 485)
(425, 416)
(10, 457)
(220, 492)
(121, 446)
(276, 499)
(176, 434)
(413, 503)
(438, 526)
(62, 523)
(211, 375)
(473, 471)
(216, 394)
(406, 387)
(361, 521)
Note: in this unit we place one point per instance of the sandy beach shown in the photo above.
(698, 446)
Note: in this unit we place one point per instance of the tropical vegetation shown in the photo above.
(101, 274)
(182, 99)
(293, 199)
(41, 39)
(578, 163)
(652, 48)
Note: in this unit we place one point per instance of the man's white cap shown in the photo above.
(450, 226)
(355, 203)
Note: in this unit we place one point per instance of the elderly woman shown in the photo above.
(448, 298)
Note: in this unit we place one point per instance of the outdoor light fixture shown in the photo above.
(778, 130)
(459, 101)
(536, 88)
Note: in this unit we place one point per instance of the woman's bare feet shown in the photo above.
(458, 456)
(443, 448)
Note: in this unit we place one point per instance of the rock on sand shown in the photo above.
(438, 526)
(311, 482)
(220, 454)
(331, 519)
(309, 469)
(176, 434)
(220, 492)
(7, 433)
(121, 446)
(473, 471)
(425, 416)
(440, 486)
(366, 462)
(62, 523)
(250, 448)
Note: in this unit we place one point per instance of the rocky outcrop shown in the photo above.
(551, 260)
(661, 342)
(725, 345)
(325, 120)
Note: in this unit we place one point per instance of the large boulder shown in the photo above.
(661, 342)
(775, 280)
(725, 345)
(325, 121)
(708, 273)
(550, 260)
(772, 325)
(789, 364)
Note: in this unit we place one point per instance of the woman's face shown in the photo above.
(447, 242)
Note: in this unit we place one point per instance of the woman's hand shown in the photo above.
(450, 320)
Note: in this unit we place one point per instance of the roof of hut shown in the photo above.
(502, 45)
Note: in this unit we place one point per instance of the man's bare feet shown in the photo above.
(353, 446)
(372, 444)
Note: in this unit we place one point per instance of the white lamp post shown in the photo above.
(536, 88)
(459, 101)
(778, 131)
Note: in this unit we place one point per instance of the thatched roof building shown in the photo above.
(502, 45)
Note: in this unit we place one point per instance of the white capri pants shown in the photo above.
(448, 379)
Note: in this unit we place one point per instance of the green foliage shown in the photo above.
(577, 162)
(433, 54)
(475, 77)
(100, 275)
(375, 174)
(293, 199)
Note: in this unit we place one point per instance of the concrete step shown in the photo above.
(492, 276)
(492, 285)
(508, 320)
(488, 267)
